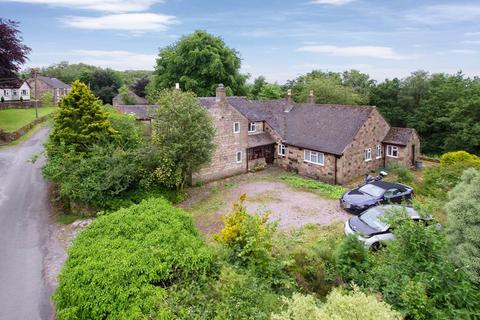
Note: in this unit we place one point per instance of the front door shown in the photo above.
(269, 154)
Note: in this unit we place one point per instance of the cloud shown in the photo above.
(357, 51)
(332, 2)
(472, 34)
(136, 22)
(118, 60)
(437, 14)
(463, 51)
(471, 41)
(116, 6)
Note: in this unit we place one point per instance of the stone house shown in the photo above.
(47, 84)
(14, 90)
(332, 143)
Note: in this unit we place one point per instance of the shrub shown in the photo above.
(124, 264)
(442, 178)
(47, 99)
(331, 191)
(351, 259)
(463, 214)
(340, 305)
(404, 175)
(416, 267)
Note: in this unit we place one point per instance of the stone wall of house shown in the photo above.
(352, 164)
(405, 153)
(42, 88)
(258, 127)
(294, 161)
(224, 162)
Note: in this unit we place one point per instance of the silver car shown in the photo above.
(372, 230)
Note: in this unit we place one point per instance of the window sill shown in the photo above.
(368, 160)
(395, 157)
(315, 163)
(378, 158)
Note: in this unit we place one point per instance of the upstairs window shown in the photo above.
(379, 151)
(314, 157)
(6, 93)
(392, 151)
(281, 150)
(236, 127)
(368, 154)
(24, 92)
(252, 127)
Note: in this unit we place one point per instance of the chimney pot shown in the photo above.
(177, 86)
(289, 96)
(220, 93)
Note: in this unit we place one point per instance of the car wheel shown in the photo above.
(376, 246)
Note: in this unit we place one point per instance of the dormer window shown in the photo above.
(236, 127)
(252, 127)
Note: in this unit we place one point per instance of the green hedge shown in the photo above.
(122, 265)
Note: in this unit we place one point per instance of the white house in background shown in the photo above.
(14, 90)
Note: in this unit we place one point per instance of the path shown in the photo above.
(24, 231)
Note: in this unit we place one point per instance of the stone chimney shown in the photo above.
(220, 93)
(311, 98)
(289, 96)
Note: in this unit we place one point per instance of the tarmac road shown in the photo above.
(24, 232)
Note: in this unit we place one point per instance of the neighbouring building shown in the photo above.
(14, 90)
(332, 143)
(118, 100)
(47, 84)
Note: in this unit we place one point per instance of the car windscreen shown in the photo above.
(372, 190)
(372, 217)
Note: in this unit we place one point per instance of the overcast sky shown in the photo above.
(278, 39)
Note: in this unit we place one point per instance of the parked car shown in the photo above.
(374, 193)
(372, 230)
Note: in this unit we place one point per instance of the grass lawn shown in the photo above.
(13, 119)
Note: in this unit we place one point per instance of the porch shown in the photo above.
(260, 150)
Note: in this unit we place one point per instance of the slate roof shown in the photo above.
(11, 84)
(320, 127)
(400, 136)
(259, 139)
(141, 112)
(53, 82)
(138, 100)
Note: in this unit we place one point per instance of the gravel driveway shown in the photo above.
(290, 208)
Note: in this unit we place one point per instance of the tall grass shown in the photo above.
(328, 190)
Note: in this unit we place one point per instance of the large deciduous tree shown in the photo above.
(199, 62)
(80, 121)
(104, 83)
(463, 212)
(13, 53)
(183, 134)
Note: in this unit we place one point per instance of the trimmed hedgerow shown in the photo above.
(123, 264)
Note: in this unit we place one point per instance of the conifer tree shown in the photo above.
(80, 121)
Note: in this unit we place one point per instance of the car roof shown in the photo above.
(410, 211)
(389, 185)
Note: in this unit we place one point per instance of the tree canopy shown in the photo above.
(463, 211)
(183, 135)
(13, 53)
(199, 62)
(104, 83)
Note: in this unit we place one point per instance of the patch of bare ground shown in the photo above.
(266, 193)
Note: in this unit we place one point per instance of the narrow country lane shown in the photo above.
(24, 232)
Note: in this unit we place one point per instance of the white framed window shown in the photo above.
(239, 156)
(236, 127)
(368, 154)
(392, 151)
(252, 127)
(281, 149)
(24, 92)
(6, 93)
(314, 157)
(379, 151)
(14, 92)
